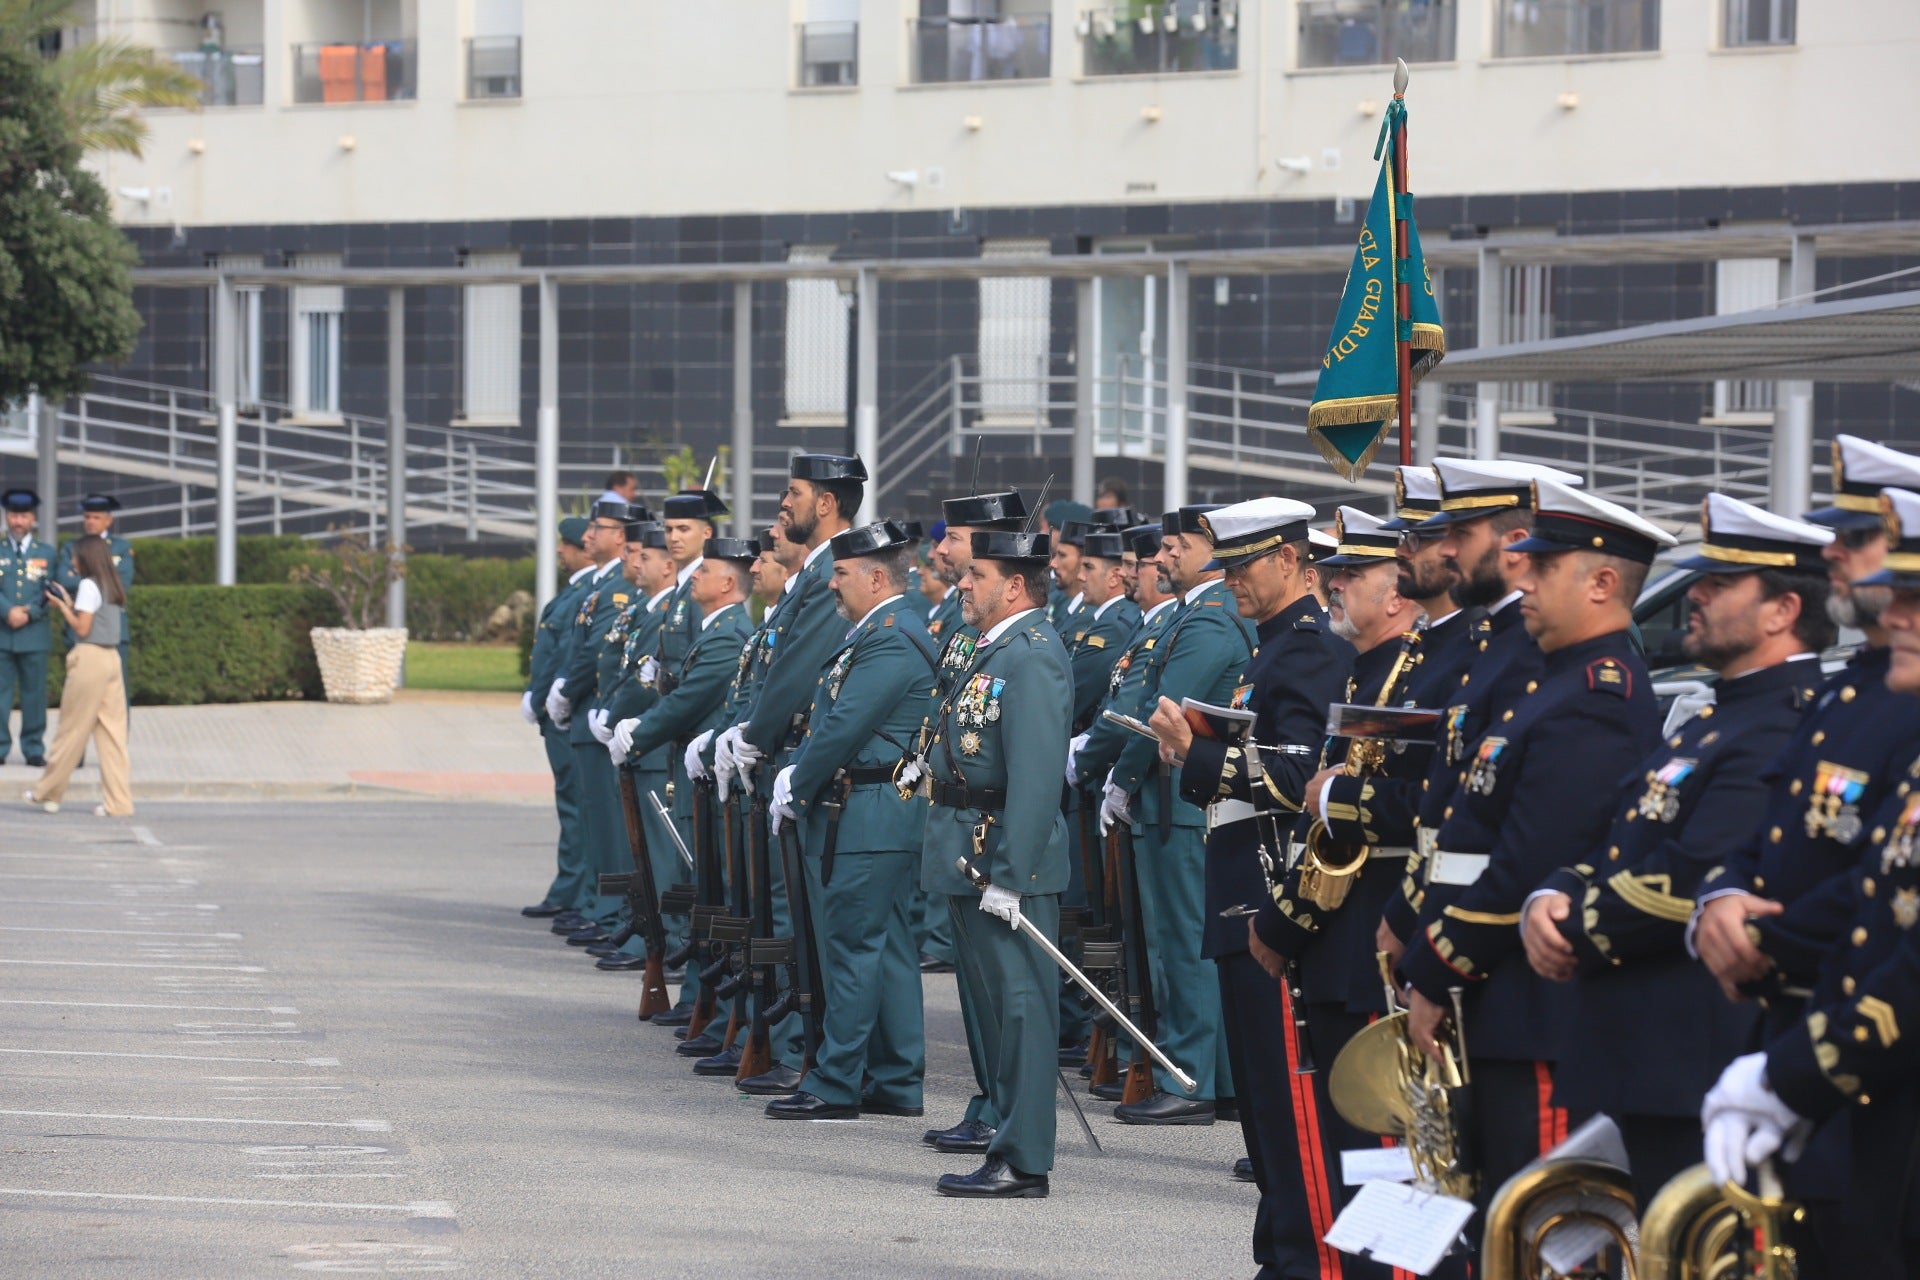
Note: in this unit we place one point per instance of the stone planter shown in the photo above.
(359, 666)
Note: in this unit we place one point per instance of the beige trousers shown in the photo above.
(93, 704)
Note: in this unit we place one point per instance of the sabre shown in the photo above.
(666, 820)
(1086, 984)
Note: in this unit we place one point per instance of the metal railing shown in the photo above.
(829, 53)
(953, 50)
(1142, 39)
(1573, 28)
(1351, 33)
(381, 71)
(232, 77)
(493, 67)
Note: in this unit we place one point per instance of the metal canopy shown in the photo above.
(1872, 339)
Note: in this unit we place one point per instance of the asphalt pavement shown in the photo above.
(251, 1038)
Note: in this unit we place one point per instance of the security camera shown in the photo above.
(905, 177)
(1296, 164)
(143, 194)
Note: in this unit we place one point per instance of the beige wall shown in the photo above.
(668, 108)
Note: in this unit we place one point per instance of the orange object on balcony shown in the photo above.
(339, 73)
(373, 73)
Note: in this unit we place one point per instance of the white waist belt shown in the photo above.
(1429, 841)
(1392, 852)
(1224, 812)
(1444, 867)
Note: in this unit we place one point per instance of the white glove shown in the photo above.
(620, 741)
(696, 767)
(1746, 1122)
(1002, 904)
(724, 767)
(558, 709)
(780, 815)
(745, 754)
(1073, 749)
(911, 772)
(783, 789)
(1114, 807)
(527, 712)
(649, 670)
(597, 725)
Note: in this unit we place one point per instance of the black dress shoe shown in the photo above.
(1073, 1055)
(724, 1063)
(601, 950)
(778, 1080)
(974, 1141)
(1243, 1169)
(994, 1180)
(1108, 1092)
(678, 1016)
(541, 911)
(804, 1106)
(590, 936)
(1164, 1108)
(619, 962)
(965, 1131)
(566, 922)
(1226, 1110)
(36, 762)
(933, 964)
(700, 1046)
(869, 1107)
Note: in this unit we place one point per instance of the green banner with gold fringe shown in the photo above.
(1356, 398)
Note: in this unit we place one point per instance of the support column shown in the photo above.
(46, 427)
(397, 452)
(866, 422)
(1792, 487)
(1084, 359)
(743, 409)
(1490, 303)
(226, 522)
(1426, 421)
(546, 449)
(1179, 291)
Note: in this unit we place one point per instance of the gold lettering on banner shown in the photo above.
(1362, 323)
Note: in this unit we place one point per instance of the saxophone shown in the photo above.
(1328, 866)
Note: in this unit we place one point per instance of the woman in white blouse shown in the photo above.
(94, 701)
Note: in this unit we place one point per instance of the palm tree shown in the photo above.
(103, 84)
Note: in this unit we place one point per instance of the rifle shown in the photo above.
(1139, 970)
(644, 900)
(709, 905)
(1099, 950)
(806, 994)
(763, 950)
(730, 933)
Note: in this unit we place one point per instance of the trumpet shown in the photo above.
(1328, 866)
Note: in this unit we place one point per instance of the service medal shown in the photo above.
(969, 743)
(1906, 907)
(1486, 767)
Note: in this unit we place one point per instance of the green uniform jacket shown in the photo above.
(549, 639)
(69, 577)
(1093, 647)
(1128, 691)
(1201, 657)
(23, 581)
(867, 707)
(679, 625)
(807, 631)
(600, 610)
(945, 618)
(917, 602)
(629, 697)
(700, 688)
(1012, 708)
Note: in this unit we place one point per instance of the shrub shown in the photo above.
(220, 644)
(451, 598)
(187, 562)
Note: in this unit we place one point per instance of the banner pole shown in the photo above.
(1403, 288)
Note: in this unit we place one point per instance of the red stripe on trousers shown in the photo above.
(1313, 1167)
(1553, 1120)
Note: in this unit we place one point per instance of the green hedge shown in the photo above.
(448, 597)
(194, 645)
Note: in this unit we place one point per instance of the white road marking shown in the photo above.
(363, 1126)
(95, 902)
(330, 1176)
(171, 1057)
(413, 1209)
(184, 1008)
(124, 964)
(124, 884)
(119, 933)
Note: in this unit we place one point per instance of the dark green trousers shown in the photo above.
(27, 674)
(603, 829)
(570, 880)
(873, 1038)
(1017, 987)
(1172, 903)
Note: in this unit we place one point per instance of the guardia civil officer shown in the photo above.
(861, 837)
(26, 637)
(1542, 780)
(1062, 599)
(993, 768)
(1650, 1029)
(1842, 1075)
(1253, 793)
(823, 493)
(568, 889)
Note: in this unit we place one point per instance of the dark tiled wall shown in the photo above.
(654, 363)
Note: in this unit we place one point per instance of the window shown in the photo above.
(1015, 315)
(1744, 284)
(1758, 22)
(1177, 35)
(829, 43)
(357, 52)
(1574, 28)
(1526, 316)
(315, 340)
(816, 345)
(1352, 33)
(490, 343)
(247, 297)
(961, 41)
(493, 50)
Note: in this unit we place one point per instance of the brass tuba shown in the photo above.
(1328, 866)
(1693, 1230)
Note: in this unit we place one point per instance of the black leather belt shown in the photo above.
(862, 777)
(956, 795)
